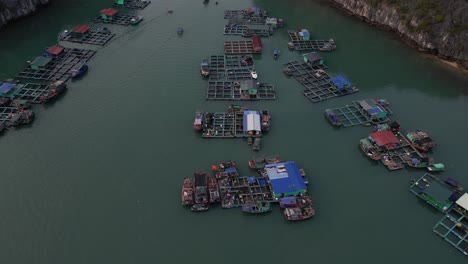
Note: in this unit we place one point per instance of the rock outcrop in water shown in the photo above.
(13, 9)
(436, 26)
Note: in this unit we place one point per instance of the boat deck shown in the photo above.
(118, 19)
(434, 191)
(317, 86)
(353, 115)
(59, 68)
(453, 227)
(228, 90)
(93, 37)
(134, 4)
(303, 45)
(236, 192)
(239, 47)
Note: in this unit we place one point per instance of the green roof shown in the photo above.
(41, 61)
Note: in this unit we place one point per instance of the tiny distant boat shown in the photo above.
(258, 208)
(256, 144)
(180, 31)
(416, 161)
(254, 74)
(420, 140)
(436, 167)
(136, 19)
(213, 190)
(170, 11)
(199, 207)
(265, 115)
(290, 45)
(205, 68)
(187, 192)
(207, 1)
(198, 122)
(276, 54)
(78, 70)
(260, 163)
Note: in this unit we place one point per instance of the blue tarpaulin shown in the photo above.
(285, 178)
(374, 111)
(262, 182)
(340, 82)
(230, 170)
(6, 87)
(250, 179)
(287, 201)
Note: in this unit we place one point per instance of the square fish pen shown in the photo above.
(301, 43)
(239, 191)
(362, 112)
(229, 67)
(223, 125)
(93, 36)
(239, 47)
(234, 91)
(33, 92)
(58, 67)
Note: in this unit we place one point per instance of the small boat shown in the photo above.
(260, 163)
(256, 144)
(369, 149)
(78, 70)
(436, 167)
(301, 211)
(290, 45)
(416, 161)
(199, 207)
(55, 89)
(201, 190)
(246, 61)
(420, 140)
(180, 31)
(198, 122)
(136, 19)
(276, 54)
(187, 192)
(205, 68)
(390, 163)
(213, 190)
(254, 74)
(258, 208)
(249, 141)
(170, 11)
(265, 115)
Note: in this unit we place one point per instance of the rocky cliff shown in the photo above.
(13, 9)
(436, 26)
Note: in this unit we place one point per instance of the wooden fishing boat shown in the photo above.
(187, 192)
(78, 70)
(136, 19)
(201, 190)
(276, 54)
(369, 149)
(205, 68)
(260, 163)
(258, 208)
(436, 167)
(302, 210)
(55, 89)
(417, 161)
(213, 190)
(421, 140)
(390, 163)
(199, 207)
(198, 122)
(265, 116)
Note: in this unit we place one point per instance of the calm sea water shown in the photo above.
(96, 178)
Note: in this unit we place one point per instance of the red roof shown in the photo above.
(81, 29)
(257, 41)
(385, 138)
(109, 12)
(55, 50)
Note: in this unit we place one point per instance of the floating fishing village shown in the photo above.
(230, 77)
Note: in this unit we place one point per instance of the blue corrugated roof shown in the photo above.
(285, 182)
(230, 170)
(6, 87)
(340, 81)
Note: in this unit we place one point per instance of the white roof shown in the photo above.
(253, 122)
(463, 201)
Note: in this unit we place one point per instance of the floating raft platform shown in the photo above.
(133, 4)
(316, 82)
(93, 36)
(239, 191)
(435, 192)
(247, 21)
(229, 67)
(117, 19)
(362, 112)
(298, 43)
(14, 116)
(453, 227)
(33, 92)
(239, 47)
(240, 91)
(245, 14)
(56, 67)
(248, 30)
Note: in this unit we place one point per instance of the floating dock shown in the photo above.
(453, 227)
(56, 67)
(362, 112)
(240, 91)
(317, 83)
(112, 16)
(247, 21)
(302, 43)
(250, 13)
(230, 67)
(239, 191)
(239, 47)
(437, 193)
(84, 34)
(248, 30)
(132, 4)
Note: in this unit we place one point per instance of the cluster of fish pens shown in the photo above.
(276, 182)
(46, 76)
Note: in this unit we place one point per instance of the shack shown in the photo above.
(108, 13)
(257, 44)
(372, 109)
(7, 90)
(286, 179)
(274, 22)
(313, 59)
(251, 123)
(40, 62)
(249, 87)
(385, 140)
(54, 51)
(304, 34)
(80, 31)
(341, 83)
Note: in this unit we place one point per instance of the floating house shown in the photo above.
(80, 31)
(251, 123)
(248, 89)
(274, 22)
(313, 59)
(8, 90)
(375, 110)
(385, 140)
(257, 44)
(304, 34)
(286, 179)
(108, 13)
(54, 51)
(40, 62)
(341, 83)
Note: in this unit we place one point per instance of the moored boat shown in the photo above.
(265, 115)
(180, 31)
(205, 68)
(78, 70)
(201, 194)
(302, 210)
(417, 161)
(198, 122)
(213, 190)
(55, 89)
(254, 74)
(261, 162)
(369, 149)
(187, 192)
(136, 19)
(257, 208)
(436, 167)
(420, 140)
(276, 54)
(256, 143)
(199, 207)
